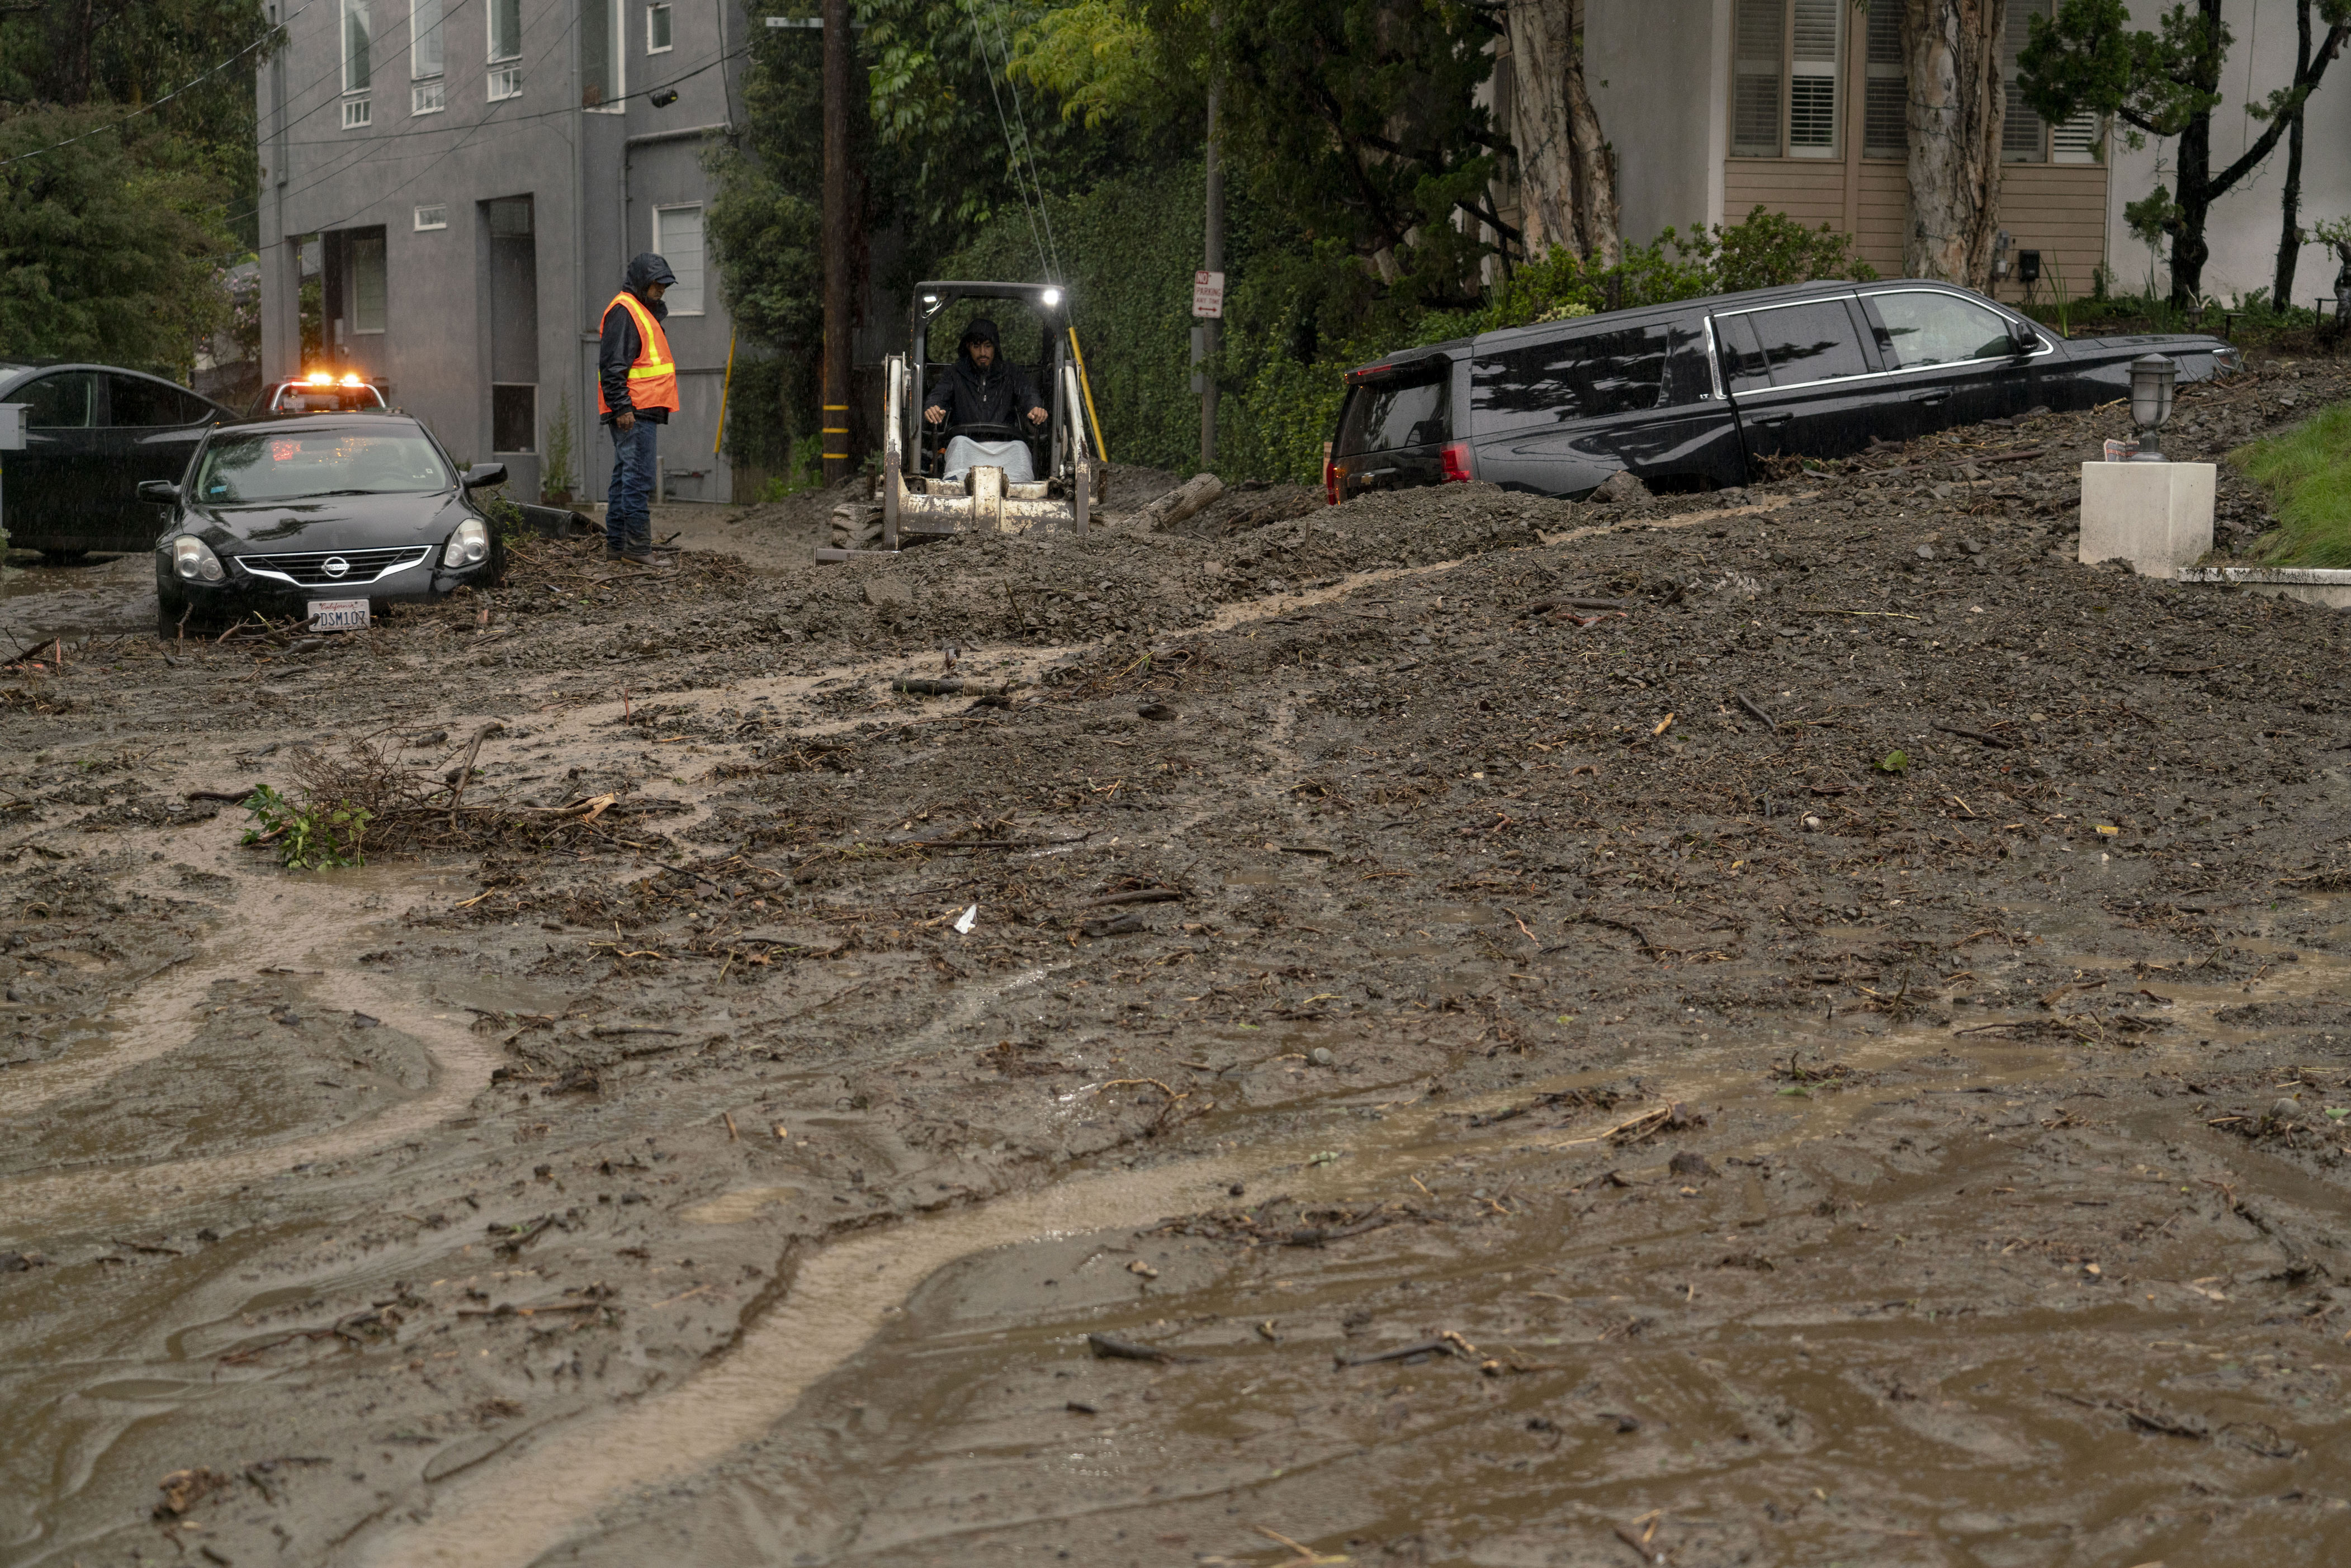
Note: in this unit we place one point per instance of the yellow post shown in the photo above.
(724, 387)
(1087, 386)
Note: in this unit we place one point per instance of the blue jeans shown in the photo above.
(627, 510)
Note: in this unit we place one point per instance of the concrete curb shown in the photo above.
(2311, 584)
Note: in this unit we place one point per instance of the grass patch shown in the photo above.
(2307, 472)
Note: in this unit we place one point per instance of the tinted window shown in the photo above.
(1926, 329)
(137, 400)
(282, 467)
(1809, 342)
(1743, 364)
(1385, 415)
(1580, 375)
(67, 400)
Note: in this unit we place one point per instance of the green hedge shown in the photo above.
(1128, 248)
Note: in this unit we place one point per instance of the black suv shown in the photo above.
(1691, 395)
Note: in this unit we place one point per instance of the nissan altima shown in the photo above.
(325, 518)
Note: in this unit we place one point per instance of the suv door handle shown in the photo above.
(1930, 397)
(1769, 420)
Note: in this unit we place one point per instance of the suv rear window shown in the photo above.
(1416, 409)
(1790, 345)
(1590, 374)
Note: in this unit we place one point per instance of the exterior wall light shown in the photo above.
(2152, 377)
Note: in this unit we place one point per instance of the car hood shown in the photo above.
(333, 522)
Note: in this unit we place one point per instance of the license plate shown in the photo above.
(339, 615)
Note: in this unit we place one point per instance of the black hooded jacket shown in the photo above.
(621, 345)
(1000, 395)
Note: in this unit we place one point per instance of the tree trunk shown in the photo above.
(2290, 204)
(1951, 53)
(1567, 189)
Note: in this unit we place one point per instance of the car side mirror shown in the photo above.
(482, 473)
(2021, 334)
(163, 492)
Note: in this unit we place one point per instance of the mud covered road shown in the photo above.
(1790, 1026)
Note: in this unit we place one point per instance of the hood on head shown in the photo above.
(647, 270)
(981, 329)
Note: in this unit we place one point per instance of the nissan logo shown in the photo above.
(334, 566)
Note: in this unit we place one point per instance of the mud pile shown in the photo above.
(1792, 1025)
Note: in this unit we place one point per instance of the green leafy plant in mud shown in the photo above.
(310, 837)
(2307, 472)
(1893, 762)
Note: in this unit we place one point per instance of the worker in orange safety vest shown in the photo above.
(636, 392)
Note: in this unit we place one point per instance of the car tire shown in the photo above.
(857, 525)
(169, 614)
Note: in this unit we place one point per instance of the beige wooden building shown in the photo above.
(1714, 107)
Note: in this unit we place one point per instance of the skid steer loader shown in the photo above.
(917, 502)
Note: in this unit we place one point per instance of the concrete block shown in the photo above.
(2157, 516)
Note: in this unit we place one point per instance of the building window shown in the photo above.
(2023, 135)
(435, 216)
(600, 55)
(367, 282)
(514, 417)
(1885, 122)
(358, 43)
(2081, 139)
(677, 236)
(426, 97)
(505, 45)
(657, 41)
(424, 39)
(1786, 52)
(356, 114)
(1757, 34)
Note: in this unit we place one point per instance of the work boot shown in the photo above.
(642, 555)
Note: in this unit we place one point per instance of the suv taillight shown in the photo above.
(1332, 477)
(1455, 457)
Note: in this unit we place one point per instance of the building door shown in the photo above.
(513, 338)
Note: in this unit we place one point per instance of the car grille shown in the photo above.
(309, 569)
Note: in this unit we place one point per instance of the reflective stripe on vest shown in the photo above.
(653, 377)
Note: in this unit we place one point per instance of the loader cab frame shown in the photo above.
(1043, 359)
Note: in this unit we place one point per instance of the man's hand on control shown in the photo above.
(934, 415)
(625, 420)
(1036, 416)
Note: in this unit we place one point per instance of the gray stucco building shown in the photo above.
(475, 175)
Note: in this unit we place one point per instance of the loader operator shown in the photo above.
(977, 390)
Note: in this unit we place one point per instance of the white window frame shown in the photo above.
(669, 16)
(428, 96)
(358, 114)
(343, 14)
(703, 225)
(432, 215)
(505, 82)
(1820, 73)
(419, 68)
(618, 103)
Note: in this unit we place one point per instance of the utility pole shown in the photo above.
(835, 381)
(1215, 264)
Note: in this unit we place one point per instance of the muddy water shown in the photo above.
(99, 595)
(916, 1395)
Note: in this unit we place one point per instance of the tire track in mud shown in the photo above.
(549, 1490)
(95, 1197)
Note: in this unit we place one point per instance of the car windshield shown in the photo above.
(269, 466)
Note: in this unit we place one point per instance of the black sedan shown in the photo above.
(92, 434)
(323, 518)
(1704, 393)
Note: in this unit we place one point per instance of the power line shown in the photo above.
(1029, 143)
(150, 109)
(1020, 178)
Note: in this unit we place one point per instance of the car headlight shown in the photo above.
(469, 544)
(193, 561)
